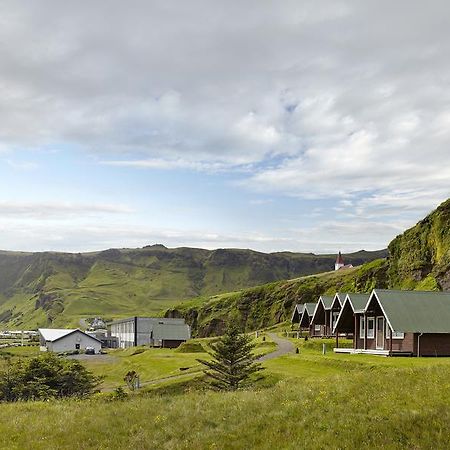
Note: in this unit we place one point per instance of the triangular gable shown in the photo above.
(323, 304)
(343, 319)
(308, 311)
(297, 313)
(353, 303)
(414, 311)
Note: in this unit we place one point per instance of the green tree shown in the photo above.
(45, 377)
(233, 361)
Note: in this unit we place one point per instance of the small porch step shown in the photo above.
(359, 351)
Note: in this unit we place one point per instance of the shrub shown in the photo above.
(45, 377)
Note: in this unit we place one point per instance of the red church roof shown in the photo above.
(339, 259)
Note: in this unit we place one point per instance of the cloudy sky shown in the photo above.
(294, 125)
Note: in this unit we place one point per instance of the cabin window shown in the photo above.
(77, 346)
(317, 328)
(361, 327)
(395, 334)
(370, 327)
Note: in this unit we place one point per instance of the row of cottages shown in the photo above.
(385, 322)
(318, 319)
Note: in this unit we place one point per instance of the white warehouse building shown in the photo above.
(61, 340)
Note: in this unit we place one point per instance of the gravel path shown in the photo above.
(284, 347)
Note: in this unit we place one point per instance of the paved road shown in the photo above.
(284, 347)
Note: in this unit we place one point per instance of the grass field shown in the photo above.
(307, 400)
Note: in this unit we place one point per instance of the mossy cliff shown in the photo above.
(418, 259)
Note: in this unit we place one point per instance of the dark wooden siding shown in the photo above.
(434, 345)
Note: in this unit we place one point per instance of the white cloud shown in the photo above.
(61, 210)
(344, 101)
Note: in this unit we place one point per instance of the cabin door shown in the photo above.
(380, 333)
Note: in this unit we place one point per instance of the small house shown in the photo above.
(392, 322)
(302, 315)
(320, 325)
(65, 340)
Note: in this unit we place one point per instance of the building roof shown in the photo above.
(175, 332)
(327, 301)
(358, 301)
(150, 319)
(297, 312)
(309, 308)
(341, 297)
(54, 334)
(415, 311)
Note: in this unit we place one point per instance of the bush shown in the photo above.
(45, 377)
(190, 347)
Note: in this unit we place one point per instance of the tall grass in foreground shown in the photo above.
(374, 408)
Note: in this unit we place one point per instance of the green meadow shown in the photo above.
(305, 400)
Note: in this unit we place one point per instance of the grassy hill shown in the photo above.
(306, 400)
(61, 288)
(418, 259)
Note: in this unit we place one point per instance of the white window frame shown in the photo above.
(334, 317)
(361, 327)
(372, 334)
(395, 334)
(317, 328)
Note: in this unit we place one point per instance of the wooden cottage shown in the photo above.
(325, 315)
(353, 305)
(302, 315)
(393, 322)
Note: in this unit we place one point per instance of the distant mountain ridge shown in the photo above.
(59, 288)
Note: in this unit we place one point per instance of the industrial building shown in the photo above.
(155, 332)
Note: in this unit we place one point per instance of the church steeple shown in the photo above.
(339, 262)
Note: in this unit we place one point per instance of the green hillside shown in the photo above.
(266, 305)
(418, 259)
(59, 289)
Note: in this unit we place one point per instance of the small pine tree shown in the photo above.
(233, 361)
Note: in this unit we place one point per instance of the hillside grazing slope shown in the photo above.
(59, 289)
(418, 259)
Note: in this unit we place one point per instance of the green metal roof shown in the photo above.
(341, 296)
(416, 311)
(327, 301)
(359, 301)
(310, 307)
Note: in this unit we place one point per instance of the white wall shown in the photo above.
(68, 343)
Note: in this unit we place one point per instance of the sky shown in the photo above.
(297, 125)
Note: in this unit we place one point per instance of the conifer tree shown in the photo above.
(233, 361)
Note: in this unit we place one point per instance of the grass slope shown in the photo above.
(308, 400)
(57, 289)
